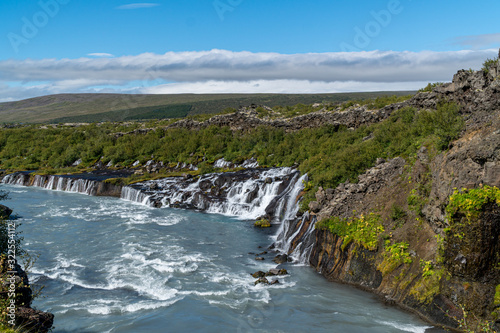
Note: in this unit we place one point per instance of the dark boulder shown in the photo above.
(262, 280)
(5, 212)
(280, 259)
(258, 274)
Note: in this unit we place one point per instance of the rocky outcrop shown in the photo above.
(451, 261)
(347, 197)
(477, 92)
(15, 281)
(247, 118)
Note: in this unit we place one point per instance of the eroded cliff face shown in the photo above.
(437, 264)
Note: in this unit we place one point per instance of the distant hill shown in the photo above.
(121, 107)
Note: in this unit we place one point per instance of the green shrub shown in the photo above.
(488, 63)
(397, 213)
(430, 87)
(470, 202)
(363, 230)
(395, 255)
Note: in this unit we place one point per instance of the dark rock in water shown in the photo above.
(259, 258)
(265, 252)
(276, 271)
(5, 212)
(272, 246)
(258, 274)
(262, 280)
(268, 180)
(253, 253)
(274, 282)
(280, 259)
(252, 195)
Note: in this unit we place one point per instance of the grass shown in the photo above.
(113, 107)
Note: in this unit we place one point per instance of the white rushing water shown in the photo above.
(53, 182)
(109, 265)
(246, 198)
(273, 192)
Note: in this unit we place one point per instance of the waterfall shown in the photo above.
(247, 194)
(51, 182)
(132, 194)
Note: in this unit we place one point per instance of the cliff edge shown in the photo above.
(423, 232)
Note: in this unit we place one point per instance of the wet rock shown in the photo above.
(259, 258)
(262, 280)
(259, 274)
(5, 212)
(274, 282)
(280, 259)
(265, 252)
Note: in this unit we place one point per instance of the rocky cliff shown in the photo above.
(436, 217)
(14, 278)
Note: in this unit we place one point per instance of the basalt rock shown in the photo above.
(29, 319)
(452, 262)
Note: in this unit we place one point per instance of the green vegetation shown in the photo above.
(141, 113)
(471, 202)
(430, 86)
(474, 324)
(114, 107)
(363, 230)
(429, 285)
(488, 63)
(262, 223)
(395, 255)
(376, 103)
(329, 154)
(398, 215)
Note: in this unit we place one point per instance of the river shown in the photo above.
(111, 265)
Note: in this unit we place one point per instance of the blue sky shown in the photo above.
(59, 46)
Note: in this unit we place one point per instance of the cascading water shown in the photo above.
(247, 194)
(50, 182)
(250, 194)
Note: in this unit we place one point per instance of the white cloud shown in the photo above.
(227, 71)
(278, 86)
(138, 5)
(101, 55)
